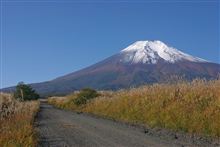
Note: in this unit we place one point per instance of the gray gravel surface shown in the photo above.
(61, 128)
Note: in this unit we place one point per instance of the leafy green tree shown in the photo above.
(84, 95)
(24, 92)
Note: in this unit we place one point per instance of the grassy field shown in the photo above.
(192, 107)
(16, 122)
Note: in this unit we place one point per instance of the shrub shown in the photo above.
(84, 95)
(25, 92)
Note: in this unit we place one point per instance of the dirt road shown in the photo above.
(60, 128)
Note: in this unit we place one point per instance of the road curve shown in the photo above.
(61, 128)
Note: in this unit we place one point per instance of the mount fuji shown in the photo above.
(151, 52)
(143, 62)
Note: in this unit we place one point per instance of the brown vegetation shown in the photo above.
(16, 122)
(192, 107)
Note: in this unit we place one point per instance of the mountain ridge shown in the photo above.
(119, 71)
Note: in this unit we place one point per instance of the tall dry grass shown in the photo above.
(16, 122)
(192, 107)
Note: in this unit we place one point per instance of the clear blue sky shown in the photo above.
(43, 40)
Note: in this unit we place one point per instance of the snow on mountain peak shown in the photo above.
(152, 51)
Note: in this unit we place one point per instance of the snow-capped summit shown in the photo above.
(157, 62)
(151, 52)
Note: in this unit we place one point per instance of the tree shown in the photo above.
(24, 92)
(84, 95)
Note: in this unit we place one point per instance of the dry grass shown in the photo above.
(16, 122)
(192, 107)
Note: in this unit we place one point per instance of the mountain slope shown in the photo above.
(143, 62)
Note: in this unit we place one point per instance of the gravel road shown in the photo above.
(61, 128)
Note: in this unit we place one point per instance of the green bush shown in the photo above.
(84, 95)
(24, 92)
